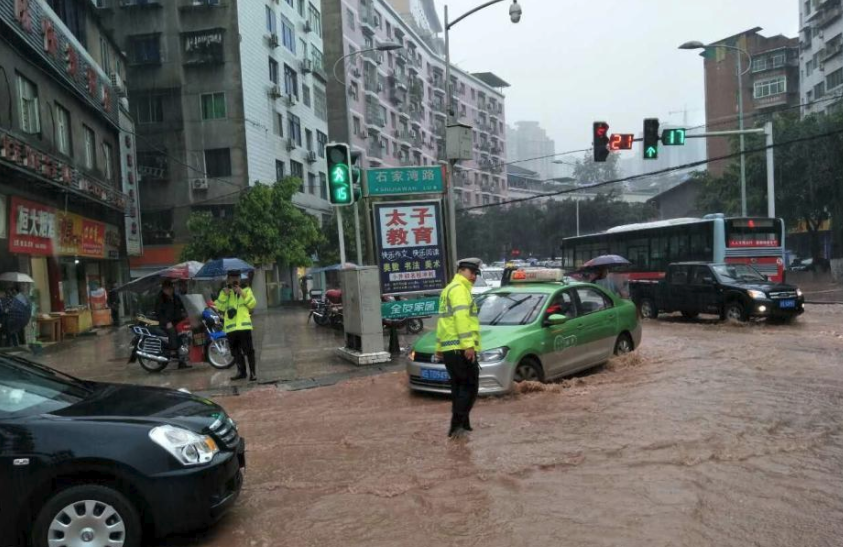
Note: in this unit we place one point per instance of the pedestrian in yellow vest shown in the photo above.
(236, 303)
(458, 343)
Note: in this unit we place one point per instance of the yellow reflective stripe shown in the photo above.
(460, 308)
(464, 335)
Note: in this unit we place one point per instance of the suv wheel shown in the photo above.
(735, 312)
(648, 309)
(87, 515)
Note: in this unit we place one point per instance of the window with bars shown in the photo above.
(30, 116)
(63, 143)
(213, 106)
(90, 147)
(767, 88)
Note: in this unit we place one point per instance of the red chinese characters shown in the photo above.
(23, 14)
(51, 43)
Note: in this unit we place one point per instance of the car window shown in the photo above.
(679, 276)
(509, 308)
(701, 275)
(733, 273)
(480, 281)
(28, 390)
(563, 304)
(592, 300)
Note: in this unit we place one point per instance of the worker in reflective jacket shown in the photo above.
(236, 303)
(458, 343)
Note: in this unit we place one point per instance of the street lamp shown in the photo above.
(515, 17)
(741, 72)
(386, 46)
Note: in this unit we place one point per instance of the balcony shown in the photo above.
(485, 146)
(831, 50)
(416, 140)
(373, 57)
(829, 15)
(372, 86)
(374, 151)
(398, 79)
(204, 47)
(497, 151)
(367, 22)
(375, 122)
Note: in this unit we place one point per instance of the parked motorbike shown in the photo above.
(413, 325)
(327, 309)
(151, 346)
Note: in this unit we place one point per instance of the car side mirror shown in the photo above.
(556, 319)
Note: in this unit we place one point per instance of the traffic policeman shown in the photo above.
(458, 343)
(236, 303)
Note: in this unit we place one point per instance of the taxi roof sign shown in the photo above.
(538, 275)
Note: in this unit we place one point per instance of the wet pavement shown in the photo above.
(709, 434)
(290, 350)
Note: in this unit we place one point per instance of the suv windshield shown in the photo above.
(509, 308)
(736, 273)
(27, 388)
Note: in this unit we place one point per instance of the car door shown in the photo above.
(705, 291)
(679, 292)
(562, 351)
(599, 324)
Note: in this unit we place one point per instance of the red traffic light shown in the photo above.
(621, 141)
(600, 140)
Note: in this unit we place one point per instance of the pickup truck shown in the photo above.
(733, 291)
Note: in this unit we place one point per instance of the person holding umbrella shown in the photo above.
(236, 303)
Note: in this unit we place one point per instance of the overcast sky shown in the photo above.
(572, 62)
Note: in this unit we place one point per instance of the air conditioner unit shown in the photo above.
(307, 66)
(311, 157)
(118, 84)
(273, 40)
(292, 100)
(199, 184)
(275, 91)
(291, 144)
(308, 27)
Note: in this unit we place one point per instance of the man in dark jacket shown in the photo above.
(169, 311)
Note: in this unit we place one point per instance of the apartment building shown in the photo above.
(68, 213)
(821, 55)
(530, 145)
(226, 94)
(391, 106)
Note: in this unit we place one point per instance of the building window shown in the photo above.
(63, 142)
(218, 162)
(301, 7)
(308, 139)
(311, 183)
(294, 124)
(316, 57)
(288, 34)
(320, 103)
(149, 109)
(759, 64)
(819, 91)
(105, 55)
(809, 67)
(297, 170)
(321, 142)
(356, 125)
(779, 60)
(90, 147)
(145, 49)
(271, 27)
(323, 186)
(273, 71)
(278, 124)
(315, 20)
(767, 88)
(834, 79)
(30, 116)
(349, 17)
(108, 158)
(291, 81)
(355, 91)
(305, 95)
(213, 106)
(279, 170)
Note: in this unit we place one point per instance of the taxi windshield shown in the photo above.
(509, 308)
(737, 272)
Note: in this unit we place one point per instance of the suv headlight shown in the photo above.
(492, 355)
(799, 293)
(758, 295)
(187, 447)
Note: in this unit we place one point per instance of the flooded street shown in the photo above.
(710, 434)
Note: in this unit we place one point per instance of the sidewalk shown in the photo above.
(291, 351)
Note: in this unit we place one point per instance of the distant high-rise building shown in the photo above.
(821, 55)
(771, 84)
(528, 140)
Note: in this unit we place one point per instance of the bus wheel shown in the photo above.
(648, 309)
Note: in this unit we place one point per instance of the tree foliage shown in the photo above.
(587, 171)
(266, 228)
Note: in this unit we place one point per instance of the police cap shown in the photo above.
(470, 263)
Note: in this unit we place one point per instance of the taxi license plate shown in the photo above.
(787, 304)
(435, 375)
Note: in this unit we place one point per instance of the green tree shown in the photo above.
(266, 228)
(329, 249)
(587, 171)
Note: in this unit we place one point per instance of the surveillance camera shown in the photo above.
(515, 11)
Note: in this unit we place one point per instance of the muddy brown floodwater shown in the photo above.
(709, 434)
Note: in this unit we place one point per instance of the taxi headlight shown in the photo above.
(492, 355)
(187, 447)
(758, 295)
(799, 293)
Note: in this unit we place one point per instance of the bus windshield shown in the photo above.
(753, 232)
(733, 273)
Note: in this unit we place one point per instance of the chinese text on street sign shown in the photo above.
(405, 180)
(405, 309)
(410, 248)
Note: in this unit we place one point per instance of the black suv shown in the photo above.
(84, 463)
(732, 291)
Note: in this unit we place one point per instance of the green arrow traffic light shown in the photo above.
(651, 152)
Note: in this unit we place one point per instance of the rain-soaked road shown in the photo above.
(709, 435)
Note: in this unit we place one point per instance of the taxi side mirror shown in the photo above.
(556, 319)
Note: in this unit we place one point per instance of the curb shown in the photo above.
(821, 302)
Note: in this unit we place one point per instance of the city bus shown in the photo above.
(651, 246)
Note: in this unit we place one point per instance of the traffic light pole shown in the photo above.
(341, 236)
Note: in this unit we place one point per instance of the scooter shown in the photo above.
(327, 310)
(151, 347)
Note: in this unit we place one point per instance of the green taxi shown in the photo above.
(536, 330)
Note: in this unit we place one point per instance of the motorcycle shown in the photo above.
(151, 346)
(327, 310)
(413, 325)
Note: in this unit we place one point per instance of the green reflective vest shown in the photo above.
(458, 327)
(244, 305)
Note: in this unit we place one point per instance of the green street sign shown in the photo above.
(405, 309)
(400, 181)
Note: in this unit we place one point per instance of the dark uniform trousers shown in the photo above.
(465, 382)
(242, 349)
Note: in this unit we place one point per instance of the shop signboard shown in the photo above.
(410, 249)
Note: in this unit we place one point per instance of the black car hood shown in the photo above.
(765, 287)
(119, 402)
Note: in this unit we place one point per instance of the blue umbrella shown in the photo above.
(220, 267)
(606, 260)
